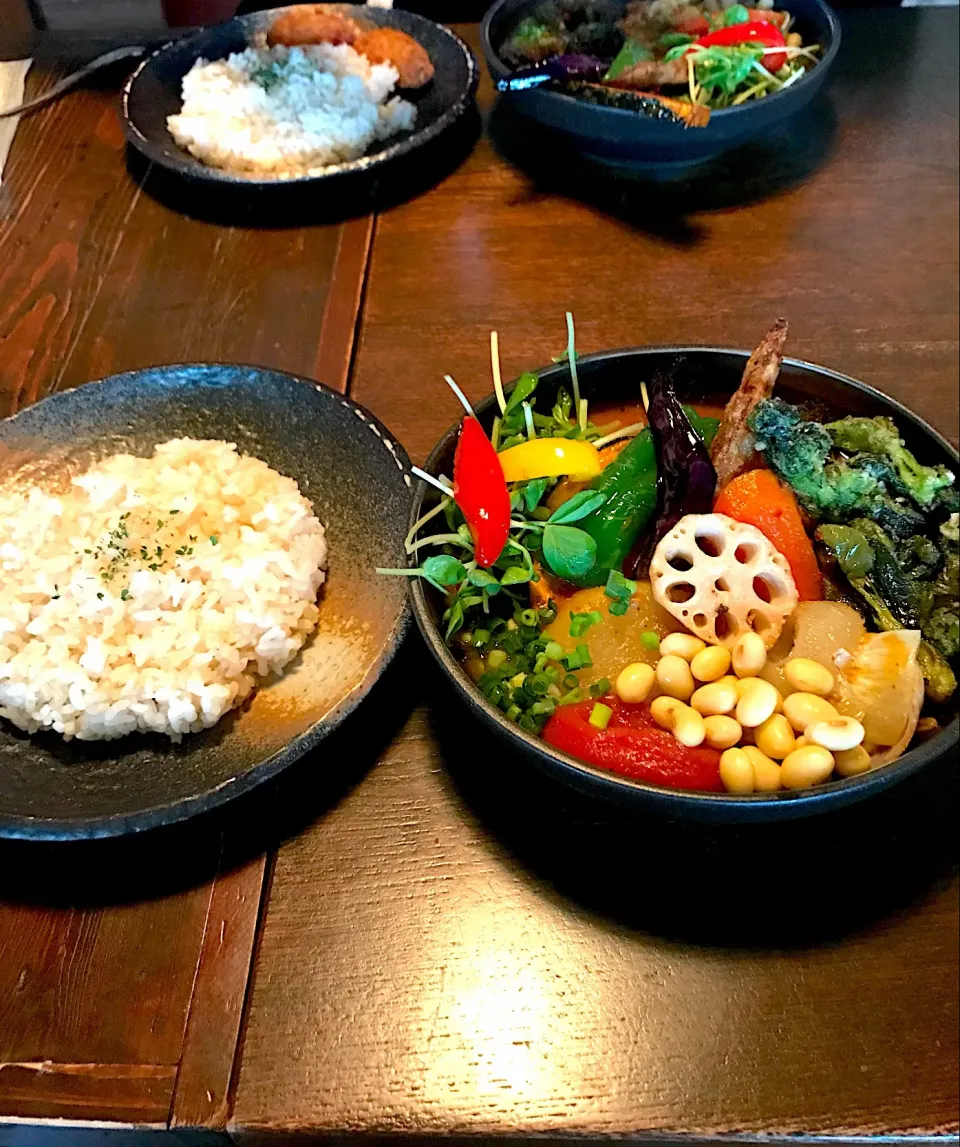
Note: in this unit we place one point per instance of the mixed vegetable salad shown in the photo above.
(660, 56)
(746, 603)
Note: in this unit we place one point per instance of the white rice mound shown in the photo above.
(153, 595)
(283, 112)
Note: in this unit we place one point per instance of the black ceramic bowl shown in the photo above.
(353, 472)
(153, 92)
(622, 137)
(703, 374)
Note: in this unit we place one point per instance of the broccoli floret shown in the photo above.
(833, 488)
(798, 451)
(880, 438)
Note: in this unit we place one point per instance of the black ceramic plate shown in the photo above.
(353, 472)
(153, 92)
(703, 374)
(620, 136)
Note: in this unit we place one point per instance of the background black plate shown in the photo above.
(703, 374)
(618, 136)
(153, 92)
(354, 473)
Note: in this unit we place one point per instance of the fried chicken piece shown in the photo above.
(313, 24)
(391, 46)
(734, 449)
(652, 74)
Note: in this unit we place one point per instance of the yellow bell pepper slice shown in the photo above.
(550, 458)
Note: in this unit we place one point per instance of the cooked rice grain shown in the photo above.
(281, 112)
(153, 595)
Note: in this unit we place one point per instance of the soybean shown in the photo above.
(775, 737)
(634, 683)
(809, 676)
(749, 654)
(766, 772)
(806, 767)
(721, 732)
(736, 771)
(683, 645)
(803, 709)
(710, 664)
(758, 701)
(674, 677)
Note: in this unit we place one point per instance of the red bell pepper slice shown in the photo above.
(479, 489)
(760, 32)
(634, 745)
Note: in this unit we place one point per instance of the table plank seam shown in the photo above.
(340, 328)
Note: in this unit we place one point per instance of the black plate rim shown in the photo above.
(192, 168)
(717, 807)
(493, 58)
(58, 829)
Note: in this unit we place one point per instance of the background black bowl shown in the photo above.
(703, 374)
(353, 472)
(153, 92)
(622, 137)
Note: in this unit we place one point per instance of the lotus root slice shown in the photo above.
(720, 578)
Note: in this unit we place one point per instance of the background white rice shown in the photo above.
(154, 594)
(281, 112)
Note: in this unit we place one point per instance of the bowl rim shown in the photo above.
(192, 168)
(499, 69)
(109, 825)
(729, 807)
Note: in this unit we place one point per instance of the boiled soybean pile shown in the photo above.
(749, 603)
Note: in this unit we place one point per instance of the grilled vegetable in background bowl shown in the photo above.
(660, 83)
(547, 664)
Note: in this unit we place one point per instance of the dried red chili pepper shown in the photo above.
(480, 490)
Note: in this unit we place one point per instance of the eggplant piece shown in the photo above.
(686, 479)
(558, 69)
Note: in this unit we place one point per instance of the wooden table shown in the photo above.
(425, 938)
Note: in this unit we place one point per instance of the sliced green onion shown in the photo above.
(554, 651)
(600, 716)
(496, 658)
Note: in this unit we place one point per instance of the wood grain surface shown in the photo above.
(457, 948)
(123, 968)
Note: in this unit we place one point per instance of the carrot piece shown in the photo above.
(758, 499)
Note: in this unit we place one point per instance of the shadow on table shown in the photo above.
(163, 861)
(332, 200)
(787, 884)
(660, 201)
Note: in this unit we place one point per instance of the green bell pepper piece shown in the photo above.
(630, 486)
